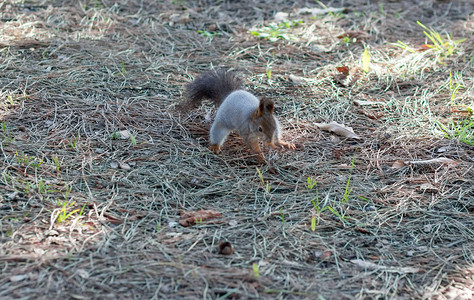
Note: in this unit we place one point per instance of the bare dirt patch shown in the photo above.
(98, 165)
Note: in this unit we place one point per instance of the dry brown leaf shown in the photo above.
(339, 129)
(189, 218)
(344, 70)
(344, 73)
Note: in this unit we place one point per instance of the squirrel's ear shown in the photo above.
(269, 105)
(266, 105)
(260, 109)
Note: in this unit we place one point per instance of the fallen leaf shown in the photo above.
(344, 73)
(338, 129)
(114, 165)
(193, 217)
(344, 70)
(366, 61)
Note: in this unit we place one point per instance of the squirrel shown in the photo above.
(238, 110)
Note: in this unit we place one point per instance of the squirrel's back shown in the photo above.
(237, 110)
(215, 85)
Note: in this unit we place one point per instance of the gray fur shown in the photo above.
(235, 113)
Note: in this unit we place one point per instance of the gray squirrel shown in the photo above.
(238, 110)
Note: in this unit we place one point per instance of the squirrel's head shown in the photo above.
(264, 121)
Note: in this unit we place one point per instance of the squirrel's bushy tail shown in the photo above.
(215, 85)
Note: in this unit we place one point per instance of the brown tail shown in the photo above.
(215, 85)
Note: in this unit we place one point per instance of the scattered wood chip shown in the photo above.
(124, 134)
(398, 164)
(322, 254)
(373, 266)
(318, 11)
(83, 273)
(12, 196)
(189, 218)
(355, 35)
(124, 166)
(371, 114)
(16, 278)
(365, 102)
(225, 248)
(338, 129)
(281, 16)
(440, 160)
(297, 79)
(362, 230)
(428, 187)
(326, 254)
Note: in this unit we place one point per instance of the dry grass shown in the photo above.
(74, 74)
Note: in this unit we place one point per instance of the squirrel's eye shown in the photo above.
(260, 128)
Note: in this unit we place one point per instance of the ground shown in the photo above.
(100, 164)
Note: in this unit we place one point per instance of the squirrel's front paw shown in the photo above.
(215, 148)
(261, 158)
(271, 144)
(290, 146)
